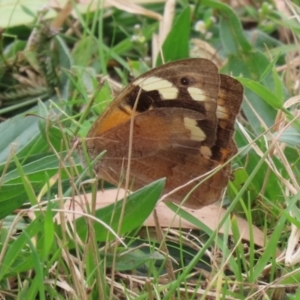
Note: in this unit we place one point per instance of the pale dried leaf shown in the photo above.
(209, 215)
(203, 49)
(125, 5)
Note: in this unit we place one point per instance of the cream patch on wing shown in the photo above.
(197, 94)
(196, 133)
(222, 113)
(165, 88)
(205, 152)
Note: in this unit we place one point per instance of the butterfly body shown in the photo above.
(183, 120)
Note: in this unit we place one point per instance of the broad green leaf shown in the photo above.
(48, 231)
(36, 171)
(176, 44)
(231, 30)
(263, 92)
(16, 258)
(38, 269)
(290, 136)
(252, 66)
(65, 63)
(26, 183)
(16, 134)
(13, 14)
(131, 259)
(13, 196)
(138, 207)
(50, 133)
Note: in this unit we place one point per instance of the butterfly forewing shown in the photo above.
(192, 84)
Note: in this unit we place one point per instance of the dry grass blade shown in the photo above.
(291, 185)
(165, 26)
(133, 8)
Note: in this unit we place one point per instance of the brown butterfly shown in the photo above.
(184, 114)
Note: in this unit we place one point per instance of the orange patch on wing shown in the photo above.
(225, 154)
(113, 119)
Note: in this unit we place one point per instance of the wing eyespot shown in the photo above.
(184, 81)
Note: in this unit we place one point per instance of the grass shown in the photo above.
(54, 88)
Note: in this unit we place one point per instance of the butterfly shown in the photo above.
(178, 119)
